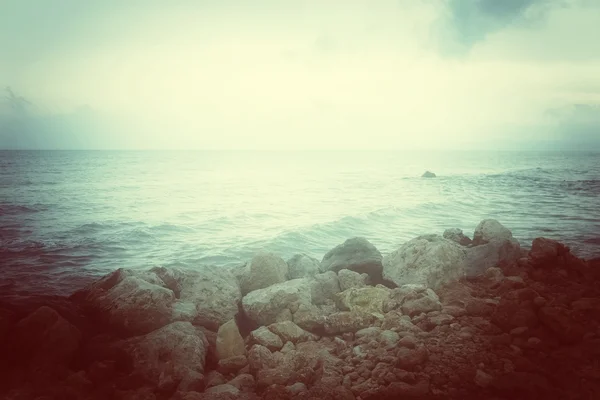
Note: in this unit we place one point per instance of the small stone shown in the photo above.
(482, 379)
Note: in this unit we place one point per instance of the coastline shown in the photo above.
(443, 316)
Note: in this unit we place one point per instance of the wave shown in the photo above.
(17, 209)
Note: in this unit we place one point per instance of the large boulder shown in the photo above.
(302, 266)
(495, 253)
(208, 296)
(490, 229)
(264, 270)
(229, 341)
(430, 260)
(356, 254)
(138, 302)
(263, 306)
(131, 302)
(171, 357)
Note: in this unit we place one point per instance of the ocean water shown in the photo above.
(69, 216)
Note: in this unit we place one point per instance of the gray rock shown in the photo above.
(489, 229)
(264, 305)
(350, 279)
(324, 287)
(186, 348)
(264, 270)
(457, 235)
(347, 321)
(266, 338)
(356, 254)
(207, 296)
(428, 174)
(495, 253)
(429, 260)
(289, 332)
(302, 266)
(132, 302)
(229, 341)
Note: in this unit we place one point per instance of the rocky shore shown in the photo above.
(442, 317)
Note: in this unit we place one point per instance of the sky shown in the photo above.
(303, 74)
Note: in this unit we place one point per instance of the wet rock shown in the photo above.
(233, 364)
(428, 174)
(408, 359)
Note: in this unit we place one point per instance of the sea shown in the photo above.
(69, 217)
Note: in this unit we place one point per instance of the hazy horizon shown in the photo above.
(304, 75)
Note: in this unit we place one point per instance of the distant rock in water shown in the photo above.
(428, 174)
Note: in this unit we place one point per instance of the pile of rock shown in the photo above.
(441, 317)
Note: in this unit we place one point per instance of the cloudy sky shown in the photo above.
(302, 74)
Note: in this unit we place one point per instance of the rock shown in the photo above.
(208, 296)
(367, 299)
(303, 266)
(44, 339)
(560, 321)
(482, 379)
(243, 382)
(229, 341)
(422, 304)
(324, 287)
(233, 364)
(265, 337)
(397, 322)
(264, 305)
(170, 357)
(296, 388)
(225, 388)
(259, 357)
(310, 318)
(128, 303)
(428, 260)
(494, 253)
(356, 254)
(428, 174)
(214, 378)
(347, 321)
(490, 229)
(408, 359)
(139, 302)
(457, 235)
(545, 250)
(350, 279)
(264, 270)
(289, 332)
